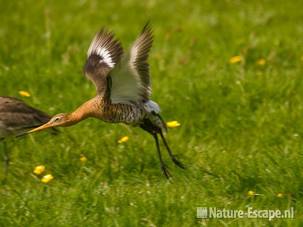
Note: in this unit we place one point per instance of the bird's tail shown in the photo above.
(154, 115)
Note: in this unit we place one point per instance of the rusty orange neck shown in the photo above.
(87, 109)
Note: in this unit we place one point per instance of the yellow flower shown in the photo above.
(47, 178)
(83, 158)
(123, 139)
(235, 59)
(251, 193)
(39, 169)
(172, 124)
(24, 93)
(261, 61)
(280, 195)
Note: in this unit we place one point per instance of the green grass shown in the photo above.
(241, 123)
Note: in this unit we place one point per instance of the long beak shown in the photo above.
(42, 127)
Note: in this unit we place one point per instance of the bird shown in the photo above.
(123, 89)
(16, 118)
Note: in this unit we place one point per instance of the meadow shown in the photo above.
(230, 72)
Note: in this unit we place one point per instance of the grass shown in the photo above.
(241, 124)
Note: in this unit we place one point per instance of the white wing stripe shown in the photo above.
(106, 56)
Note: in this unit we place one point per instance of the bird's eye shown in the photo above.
(56, 119)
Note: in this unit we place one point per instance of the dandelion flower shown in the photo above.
(24, 93)
(123, 139)
(235, 59)
(39, 169)
(261, 61)
(251, 193)
(83, 158)
(172, 124)
(47, 178)
(280, 195)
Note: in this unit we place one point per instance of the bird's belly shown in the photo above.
(122, 113)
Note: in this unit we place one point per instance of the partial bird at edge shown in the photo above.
(16, 118)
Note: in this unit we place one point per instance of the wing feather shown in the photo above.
(102, 56)
(139, 57)
(16, 116)
(130, 79)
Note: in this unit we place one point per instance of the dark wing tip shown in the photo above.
(147, 26)
(107, 47)
(144, 43)
(147, 30)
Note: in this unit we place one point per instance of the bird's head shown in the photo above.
(61, 119)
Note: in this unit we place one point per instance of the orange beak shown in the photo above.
(42, 127)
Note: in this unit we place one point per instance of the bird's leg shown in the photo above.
(172, 156)
(5, 159)
(163, 166)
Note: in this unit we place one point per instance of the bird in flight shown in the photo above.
(122, 82)
(16, 118)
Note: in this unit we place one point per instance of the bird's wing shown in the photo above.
(15, 115)
(130, 80)
(13, 105)
(102, 56)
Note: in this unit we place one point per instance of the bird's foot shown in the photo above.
(165, 171)
(177, 162)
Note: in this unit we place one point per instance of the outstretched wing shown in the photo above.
(130, 78)
(102, 56)
(139, 58)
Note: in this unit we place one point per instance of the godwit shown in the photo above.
(123, 89)
(16, 117)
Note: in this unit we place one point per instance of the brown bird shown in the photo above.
(123, 89)
(16, 118)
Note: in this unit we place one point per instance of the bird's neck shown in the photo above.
(84, 111)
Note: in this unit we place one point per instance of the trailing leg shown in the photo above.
(172, 156)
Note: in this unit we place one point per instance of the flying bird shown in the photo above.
(16, 118)
(123, 86)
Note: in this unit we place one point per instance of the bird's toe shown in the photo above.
(178, 163)
(165, 171)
